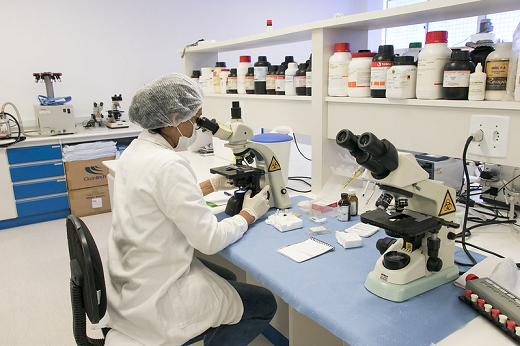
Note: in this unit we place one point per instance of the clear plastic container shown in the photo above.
(338, 70)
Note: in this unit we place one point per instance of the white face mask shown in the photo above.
(185, 142)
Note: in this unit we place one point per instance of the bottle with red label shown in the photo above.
(380, 64)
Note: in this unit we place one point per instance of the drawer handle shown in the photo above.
(60, 181)
(55, 146)
(58, 164)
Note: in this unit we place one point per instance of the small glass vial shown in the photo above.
(250, 80)
(343, 209)
(232, 85)
(354, 202)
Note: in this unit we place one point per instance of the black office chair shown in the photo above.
(87, 283)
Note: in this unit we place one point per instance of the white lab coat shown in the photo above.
(158, 292)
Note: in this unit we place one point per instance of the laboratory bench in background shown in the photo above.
(33, 184)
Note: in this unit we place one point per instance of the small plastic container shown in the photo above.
(261, 68)
(250, 80)
(290, 73)
(232, 83)
(223, 80)
(477, 84)
(219, 65)
(308, 77)
(380, 65)
(300, 79)
(359, 74)
(206, 80)
(270, 79)
(338, 69)
(244, 64)
(401, 77)
(280, 75)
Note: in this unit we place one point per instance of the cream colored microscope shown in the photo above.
(242, 174)
(420, 254)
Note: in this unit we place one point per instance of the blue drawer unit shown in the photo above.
(32, 154)
(36, 171)
(39, 188)
(42, 205)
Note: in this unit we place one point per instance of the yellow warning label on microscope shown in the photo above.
(274, 166)
(448, 206)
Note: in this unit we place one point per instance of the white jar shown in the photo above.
(497, 69)
(244, 64)
(290, 73)
(430, 65)
(477, 84)
(206, 79)
(359, 74)
(223, 80)
(338, 70)
(401, 77)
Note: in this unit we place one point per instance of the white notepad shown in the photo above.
(305, 250)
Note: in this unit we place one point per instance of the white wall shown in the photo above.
(107, 47)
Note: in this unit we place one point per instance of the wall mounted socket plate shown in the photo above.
(496, 135)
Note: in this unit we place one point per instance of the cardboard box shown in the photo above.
(86, 173)
(89, 201)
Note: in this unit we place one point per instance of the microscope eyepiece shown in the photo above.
(346, 139)
(371, 144)
(208, 125)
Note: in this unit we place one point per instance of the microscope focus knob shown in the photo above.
(452, 236)
(395, 260)
(434, 264)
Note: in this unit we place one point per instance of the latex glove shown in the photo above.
(220, 182)
(258, 205)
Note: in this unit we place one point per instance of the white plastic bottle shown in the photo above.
(338, 70)
(290, 73)
(244, 64)
(477, 84)
(430, 65)
(359, 74)
(219, 65)
(223, 80)
(497, 69)
(206, 79)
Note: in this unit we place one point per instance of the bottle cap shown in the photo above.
(293, 65)
(485, 43)
(270, 22)
(415, 45)
(478, 68)
(302, 66)
(344, 195)
(245, 58)
(352, 191)
(233, 71)
(459, 55)
(367, 54)
(437, 37)
(273, 68)
(387, 48)
(363, 51)
(250, 70)
(404, 60)
(342, 47)
(220, 64)
(195, 74)
(289, 58)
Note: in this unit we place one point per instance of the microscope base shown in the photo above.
(400, 293)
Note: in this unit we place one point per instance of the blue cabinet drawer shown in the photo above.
(37, 171)
(42, 205)
(32, 154)
(39, 188)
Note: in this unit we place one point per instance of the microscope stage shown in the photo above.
(407, 223)
(237, 172)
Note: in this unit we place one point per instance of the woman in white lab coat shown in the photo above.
(158, 292)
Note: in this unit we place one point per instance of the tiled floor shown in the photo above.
(34, 285)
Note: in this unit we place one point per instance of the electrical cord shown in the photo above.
(297, 147)
(466, 209)
(299, 178)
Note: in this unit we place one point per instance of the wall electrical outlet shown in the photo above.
(496, 135)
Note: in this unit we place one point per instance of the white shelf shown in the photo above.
(433, 126)
(428, 103)
(429, 11)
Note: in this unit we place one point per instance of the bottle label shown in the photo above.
(429, 77)
(280, 83)
(401, 79)
(456, 79)
(338, 69)
(343, 213)
(378, 74)
(496, 74)
(250, 83)
(353, 208)
(359, 78)
(308, 79)
(300, 82)
(270, 82)
(232, 83)
(260, 73)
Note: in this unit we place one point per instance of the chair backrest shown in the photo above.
(87, 282)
